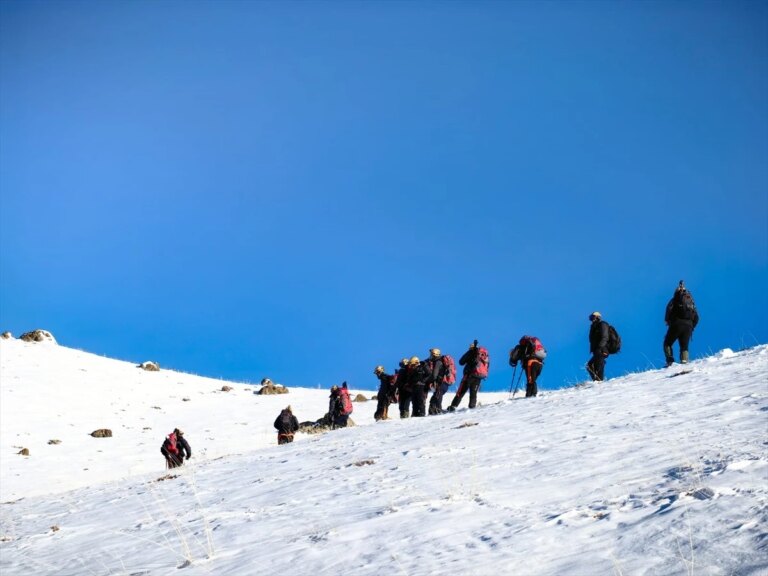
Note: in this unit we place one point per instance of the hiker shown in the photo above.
(386, 391)
(530, 353)
(176, 449)
(287, 425)
(598, 346)
(476, 363)
(339, 407)
(681, 318)
(418, 376)
(442, 374)
(403, 389)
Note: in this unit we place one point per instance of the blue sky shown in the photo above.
(304, 190)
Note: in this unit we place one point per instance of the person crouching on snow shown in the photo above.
(287, 425)
(176, 449)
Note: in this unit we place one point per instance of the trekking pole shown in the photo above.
(518, 383)
(512, 382)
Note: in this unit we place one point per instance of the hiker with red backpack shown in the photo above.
(340, 406)
(530, 353)
(176, 449)
(387, 383)
(287, 425)
(476, 362)
(442, 375)
(681, 318)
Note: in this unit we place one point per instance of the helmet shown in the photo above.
(414, 360)
(378, 370)
(434, 352)
(266, 382)
(404, 362)
(595, 315)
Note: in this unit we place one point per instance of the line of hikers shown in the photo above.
(409, 386)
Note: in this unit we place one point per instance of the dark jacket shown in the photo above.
(469, 360)
(286, 422)
(417, 375)
(183, 447)
(598, 337)
(681, 307)
(435, 370)
(522, 353)
(385, 384)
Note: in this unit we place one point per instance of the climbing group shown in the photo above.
(410, 385)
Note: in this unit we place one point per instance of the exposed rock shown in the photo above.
(6, 335)
(321, 425)
(150, 366)
(271, 388)
(185, 399)
(38, 336)
(226, 388)
(54, 441)
(360, 398)
(23, 452)
(102, 433)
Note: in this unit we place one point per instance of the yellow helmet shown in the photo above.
(434, 352)
(414, 360)
(378, 370)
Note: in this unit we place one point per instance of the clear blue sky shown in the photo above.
(304, 190)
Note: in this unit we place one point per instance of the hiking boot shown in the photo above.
(669, 363)
(684, 357)
(450, 409)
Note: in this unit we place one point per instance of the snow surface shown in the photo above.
(653, 473)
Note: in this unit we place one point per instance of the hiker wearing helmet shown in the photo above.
(176, 449)
(417, 375)
(598, 346)
(287, 425)
(442, 373)
(476, 364)
(385, 393)
(681, 318)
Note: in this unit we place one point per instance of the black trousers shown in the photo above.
(419, 399)
(680, 331)
(382, 403)
(533, 368)
(436, 402)
(405, 402)
(471, 383)
(596, 366)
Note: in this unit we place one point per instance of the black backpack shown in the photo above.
(614, 340)
(684, 306)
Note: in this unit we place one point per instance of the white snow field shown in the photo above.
(651, 473)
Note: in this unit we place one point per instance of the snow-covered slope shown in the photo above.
(648, 474)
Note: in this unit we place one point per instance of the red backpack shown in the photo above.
(170, 443)
(449, 376)
(346, 402)
(481, 368)
(537, 348)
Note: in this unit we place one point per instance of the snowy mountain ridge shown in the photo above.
(658, 472)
